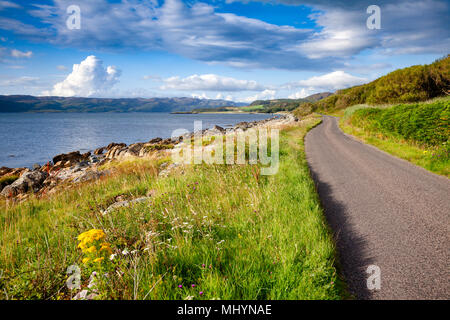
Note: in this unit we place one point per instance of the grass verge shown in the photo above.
(213, 232)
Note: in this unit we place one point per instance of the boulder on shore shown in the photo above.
(29, 181)
(113, 144)
(155, 140)
(218, 128)
(71, 158)
(99, 151)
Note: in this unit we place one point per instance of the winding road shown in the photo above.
(385, 212)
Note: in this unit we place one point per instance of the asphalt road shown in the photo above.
(383, 211)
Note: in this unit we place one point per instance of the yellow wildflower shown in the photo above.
(99, 259)
(91, 249)
(106, 247)
(85, 260)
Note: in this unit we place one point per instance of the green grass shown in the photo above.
(7, 180)
(417, 132)
(252, 108)
(231, 232)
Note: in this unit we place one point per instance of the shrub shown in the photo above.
(425, 123)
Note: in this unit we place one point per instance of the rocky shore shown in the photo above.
(74, 167)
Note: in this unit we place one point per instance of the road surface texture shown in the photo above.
(383, 211)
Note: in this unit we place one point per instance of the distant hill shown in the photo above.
(276, 105)
(318, 96)
(416, 83)
(18, 103)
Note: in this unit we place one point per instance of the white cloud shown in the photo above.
(415, 27)
(152, 77)
(304, 92)
(343, 34)
(267, 94)
(219, 96)
(199, 96)
(210, 82)
(194, 30)
(15, 67)
(21, 54)
(330, 81)
(222, 97)
(8, 4)
(89, 78)
(197, 31)
(21, 81)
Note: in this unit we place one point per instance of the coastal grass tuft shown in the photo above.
(206, 232)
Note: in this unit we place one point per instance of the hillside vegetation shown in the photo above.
(424, 123)
(276, 105)
(269, 106)
(418, 132)
(413, 84)
(212, 232)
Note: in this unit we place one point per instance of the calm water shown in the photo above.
(28, 138)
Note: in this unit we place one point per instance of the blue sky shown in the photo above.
(240, 50)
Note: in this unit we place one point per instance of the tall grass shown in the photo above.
(207, 232)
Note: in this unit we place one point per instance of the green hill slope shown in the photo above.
(272, 106)
(416, 83)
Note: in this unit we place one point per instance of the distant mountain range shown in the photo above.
(22, 103)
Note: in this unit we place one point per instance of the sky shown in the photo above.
(239, 50)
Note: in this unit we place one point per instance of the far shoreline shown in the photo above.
(220, 112)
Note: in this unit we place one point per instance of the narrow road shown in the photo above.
(383, 211)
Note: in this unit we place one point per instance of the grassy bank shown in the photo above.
(212, 232)
(416, 132)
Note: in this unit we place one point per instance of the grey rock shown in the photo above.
(80, 165)
(155, 140)
(125, 203)
(99, 151)
(242, 125)
(71, 157)
(168, 169)
(113, 144)
(29, 181)
(5, 170)
(134, 149)
(93, 158)
(90, 175)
